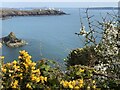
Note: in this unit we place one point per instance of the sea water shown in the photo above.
(51, 37)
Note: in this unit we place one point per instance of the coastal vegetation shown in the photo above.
(23, 73)
(96, 66)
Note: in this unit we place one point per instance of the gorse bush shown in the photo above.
(22, 73)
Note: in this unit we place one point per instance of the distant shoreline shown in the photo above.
(103, 8)
(7, 13)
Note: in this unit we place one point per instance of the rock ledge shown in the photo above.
(12, 41)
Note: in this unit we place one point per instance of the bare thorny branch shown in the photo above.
(90, 38)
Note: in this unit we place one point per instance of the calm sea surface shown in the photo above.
(47, 36)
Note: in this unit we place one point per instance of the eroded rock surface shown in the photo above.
(12, 41)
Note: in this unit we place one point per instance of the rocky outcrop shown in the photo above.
(7, 13)
(12, 41)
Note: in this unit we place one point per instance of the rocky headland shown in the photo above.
(9, 12)
(12, 41)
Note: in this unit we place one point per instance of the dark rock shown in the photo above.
(12, 41)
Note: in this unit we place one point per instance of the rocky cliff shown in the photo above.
(7, 13)
(12, 41)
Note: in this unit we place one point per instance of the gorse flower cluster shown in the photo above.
(79, 77)
(79, 84)
(75, 84)
(22, 73)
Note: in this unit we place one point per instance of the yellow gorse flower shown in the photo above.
(94, 87)
(2, 57)
(14, 62)
(42, 79)
(81, 70)
(26, 65)
(10, 71)
(8, 64)
(76, 87)
(70, 85)
(73, 82)
(4, 70)
(14, 84)
(45, 78)
(80, 81)
(88, 87)
(93, 81)
(28, 86)
(33, 64)
(32, 67)
(65, 84)
(36, 71)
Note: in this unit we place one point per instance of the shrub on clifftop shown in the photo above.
(82, 56)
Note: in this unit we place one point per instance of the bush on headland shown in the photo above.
(82, 56)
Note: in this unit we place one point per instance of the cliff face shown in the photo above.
(35, 12)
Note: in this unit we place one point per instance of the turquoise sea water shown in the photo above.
(47, 36)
